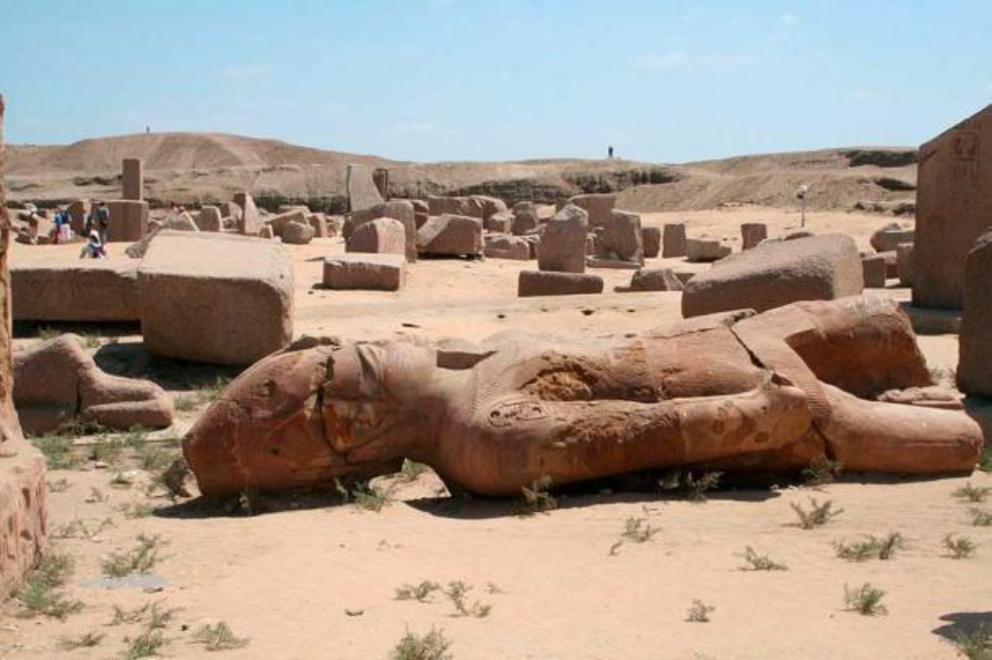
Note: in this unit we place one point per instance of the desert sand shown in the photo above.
(316, 578)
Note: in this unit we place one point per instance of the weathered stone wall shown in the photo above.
(23, 513)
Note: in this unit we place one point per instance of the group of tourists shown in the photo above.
(95, 226)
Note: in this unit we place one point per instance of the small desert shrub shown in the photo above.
(872, 547)
(976, 645)
(699, 612)
(106, 450)
(959, 547)
(57, 450)
(138, 560)
(981, 518)
(761, 562)
(152, 458)
(985, 460)
(865, 600)
(432, 646)
(419, 592)
(638, 530)
(537, 499)
(369, 497)
(78, 529)
(411, 470)
(146, 645)
(40, 593)
(819, 514)
(821, 471)
(971, 493)
(133, 510)
(88, 640)
(218, 637)
(695, 488)
(212, 391)
(457, 593)
(128, 616)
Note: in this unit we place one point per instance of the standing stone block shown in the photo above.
(210, 219)
(421, 211)
(401, 210)
(904, 263)
(874, 268)
(23, 504)
(753, 233)
(215, 298)
(362, 192)
(132, 180)
(563, 246)
(621, 238)
(128, 220)
(380, 178)
(525, 218)
(673, 240)
(953, 208)
(975, 347)
(651, 237)
(250, 222)
(599, 206)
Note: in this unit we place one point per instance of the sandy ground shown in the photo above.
(288, 579)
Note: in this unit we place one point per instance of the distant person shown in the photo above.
(148, 130)
(102, 221)
(93, 248)
(610, 151)
(61, 233)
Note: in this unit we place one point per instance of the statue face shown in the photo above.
(303, 417)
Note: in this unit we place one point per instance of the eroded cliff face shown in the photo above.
(23, 510)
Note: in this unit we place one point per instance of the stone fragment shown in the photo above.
(651, 238)
(673, 241)
(525, 219)
(365, 271)
(176, 222)
(401, 210)
(450, 235)
(297, 233)
(210, 219)
(874, 269)
(57, 382)
(777, 273)
(102, 290)
(904, 263)
(753, 233)
(382, 235)
(362, 192)
(888, 237)
(620, 238)
(279, 222)
(501, 223)
(599, 206)
(132, 180)
(563, 245)
(705, 249)
(250, 222)
(555, 283)
(319, 223)
(655, 279)
(507, 247)
(421, 211)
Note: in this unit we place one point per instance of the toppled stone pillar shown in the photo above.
(23, 508)
(132, 180)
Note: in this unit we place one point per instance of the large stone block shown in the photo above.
(551, 283)
(953, 208)
(76, 290)
(525, 218)
(874, 269)
(888, 237)
(379, 236)
(128, 220)
(402, 210)
(365, 271)
(507, 247)
(563, 245)
(210, 219)
(215, 297)
(621, 238)
(673, 240)
(599, 206)
(904, 263)
(132, 179)
(705, 249)
(975, 347)
(777, 273)
(450, 235)
(753, 233)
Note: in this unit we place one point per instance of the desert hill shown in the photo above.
(196, 168)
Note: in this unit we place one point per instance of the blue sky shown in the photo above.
(427, 80)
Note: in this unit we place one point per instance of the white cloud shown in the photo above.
(681, 60)
(244, 73)
(414, 127)
(788, 18)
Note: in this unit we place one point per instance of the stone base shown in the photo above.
(23, 513)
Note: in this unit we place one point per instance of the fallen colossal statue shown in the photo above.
(734, 391)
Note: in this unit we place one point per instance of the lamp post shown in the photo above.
(801, 194)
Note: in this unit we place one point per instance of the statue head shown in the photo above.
(313, 415)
